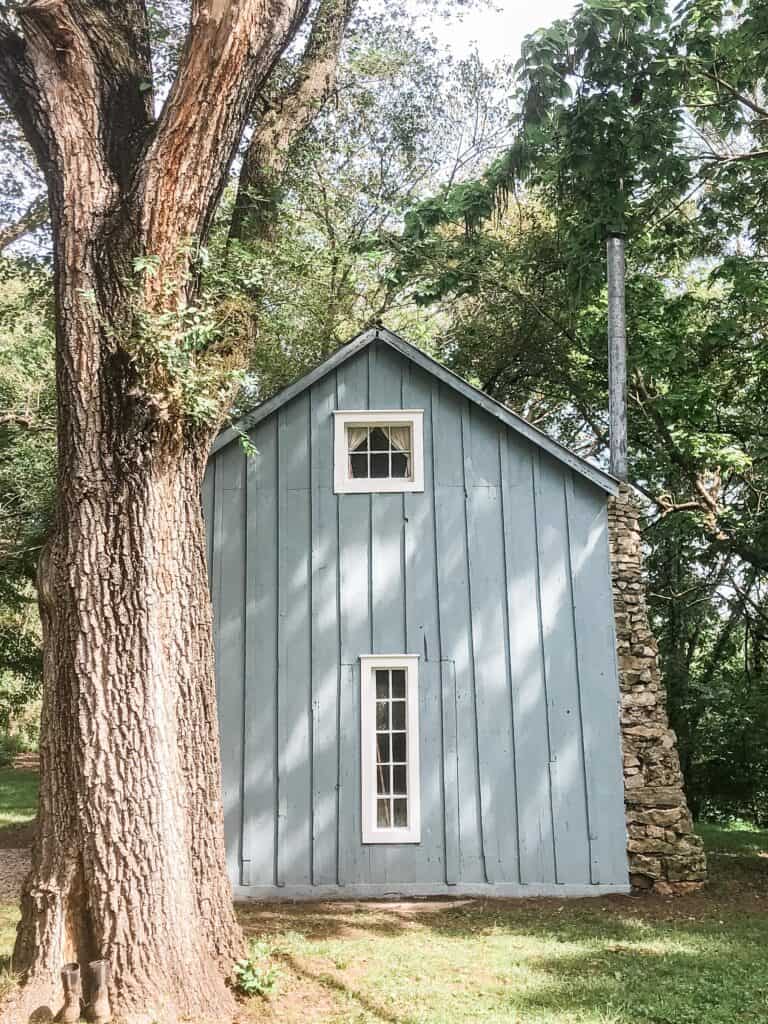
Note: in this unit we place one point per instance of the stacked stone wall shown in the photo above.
(664, 853)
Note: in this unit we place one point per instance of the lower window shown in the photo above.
(390, 748)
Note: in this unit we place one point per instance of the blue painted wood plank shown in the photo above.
(294, 666)
(352, 864)
(355, 637)
(387, 546)
(450, 771)
(387, 522)
(489, 631)
(455, 615)
(567, 755)
(526, 659)
(598, 678)
(229, 580)
(326, 654)
(422, 629)
(261, 632)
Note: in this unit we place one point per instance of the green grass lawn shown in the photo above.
(696, 959)
(18, 797)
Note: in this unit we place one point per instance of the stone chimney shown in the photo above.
(665, 855)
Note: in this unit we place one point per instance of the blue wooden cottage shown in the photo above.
(415, 645)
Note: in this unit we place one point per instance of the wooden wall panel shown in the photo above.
(487, 572)
(496, 576)
(456, 617)
(228, 579)
(326, 654)
(526, 657)
(294, 693)
(261, 632)
(569, 809)
(600, 701)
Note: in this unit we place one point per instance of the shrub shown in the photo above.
(257, 975)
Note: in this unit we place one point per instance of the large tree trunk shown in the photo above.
(129, 861)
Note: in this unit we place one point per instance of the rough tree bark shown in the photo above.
(129, 859)
(282, 119)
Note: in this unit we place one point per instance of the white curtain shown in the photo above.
(401, 438)
(355, 437)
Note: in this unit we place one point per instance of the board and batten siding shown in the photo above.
(497, 576)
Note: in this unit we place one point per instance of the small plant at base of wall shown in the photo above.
(256, 975)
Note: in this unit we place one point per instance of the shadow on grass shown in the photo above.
(584, 968)
(337, 984)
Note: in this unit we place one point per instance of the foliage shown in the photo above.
(27, 474)
(403, 119)
(190, 350)
(18, 797)
(256, 975)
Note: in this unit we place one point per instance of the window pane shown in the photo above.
(380, 466)
(379, 439)
(398, 747)
(401, 813)
(382, 684)
(382, 779)
(382, 715)
(398, 714)
(398, 683)
(401, 465)
(382, 747)
(358, 466)
(399, 783)
(383, 818)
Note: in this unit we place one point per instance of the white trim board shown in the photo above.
(405, 890)
(371, 833)
(345, 484)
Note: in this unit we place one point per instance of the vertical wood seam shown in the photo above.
(535, 458)
(279, 666)
(244, 678)
(448, 867)
(339, 674)
(404, 521)
(311, 631)
(471, 626)
(502, 442)
(567, 485)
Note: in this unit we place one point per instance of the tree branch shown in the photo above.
(33, 217)
(231, 48)
(20, 90)
(286, 117)
(732, 91)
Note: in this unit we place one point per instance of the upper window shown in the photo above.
(390, 748)
(379, 450)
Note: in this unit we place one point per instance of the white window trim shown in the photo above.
(371, 832)
(343, 483)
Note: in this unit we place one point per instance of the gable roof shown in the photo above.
(592, 473)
